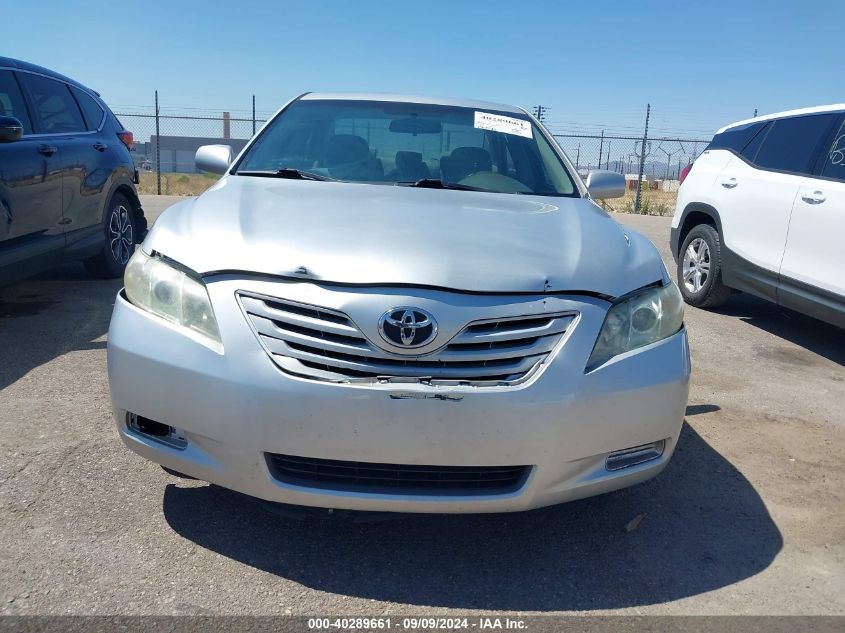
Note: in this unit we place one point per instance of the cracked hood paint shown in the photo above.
(381, 234)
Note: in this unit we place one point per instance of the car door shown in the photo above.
(92, 176)
(811, 271)
(61, 125)
(30, 189)
(756, 193)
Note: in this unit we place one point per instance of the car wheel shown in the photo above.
(700, 268)
(121, 238)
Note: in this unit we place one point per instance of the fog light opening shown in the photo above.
(156, 430)
(635, 455)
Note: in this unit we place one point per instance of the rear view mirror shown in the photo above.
(10, 129)
(415, 126)
(214, 158)
(605, 184)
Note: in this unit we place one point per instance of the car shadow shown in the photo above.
(699, 409)
(703, 527)
(819, 337)
(57, 312)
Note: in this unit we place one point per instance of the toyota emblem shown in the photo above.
(407, 327)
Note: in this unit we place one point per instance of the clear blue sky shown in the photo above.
(700, 63)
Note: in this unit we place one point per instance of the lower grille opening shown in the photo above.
(156, 430)
(329, 474)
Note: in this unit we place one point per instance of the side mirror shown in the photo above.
(605, 184)
(214, 158)
(10, 129)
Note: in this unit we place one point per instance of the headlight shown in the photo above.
(172, 294)
(644, 317)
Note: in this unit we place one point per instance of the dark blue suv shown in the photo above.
(67, 180)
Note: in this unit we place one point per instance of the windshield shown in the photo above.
(409, 143)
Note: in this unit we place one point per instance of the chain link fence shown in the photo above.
(662, 164)
(167, 140)
(664, 157)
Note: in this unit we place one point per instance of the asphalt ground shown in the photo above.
(749, 517)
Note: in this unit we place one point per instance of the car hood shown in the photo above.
(388, 235)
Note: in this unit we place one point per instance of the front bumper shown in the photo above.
(674, 243)
(235, 408)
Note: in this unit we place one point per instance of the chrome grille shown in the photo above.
(324, 344)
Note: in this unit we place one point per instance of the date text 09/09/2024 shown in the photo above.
(412, 623)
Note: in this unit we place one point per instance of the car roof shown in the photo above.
(834, 107)
(399, 98)
(8, 62)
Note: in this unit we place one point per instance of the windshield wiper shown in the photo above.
(436, 183)
(286, 172)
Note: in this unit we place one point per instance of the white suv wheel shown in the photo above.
(700, 268)
(696, 265)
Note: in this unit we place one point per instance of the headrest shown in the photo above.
(346, 148)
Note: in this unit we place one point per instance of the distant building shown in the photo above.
(631, 181)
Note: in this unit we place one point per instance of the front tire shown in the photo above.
(700, 268)
(121, 238)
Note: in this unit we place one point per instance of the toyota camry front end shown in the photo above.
(400, 304)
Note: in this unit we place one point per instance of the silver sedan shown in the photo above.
(400, 304)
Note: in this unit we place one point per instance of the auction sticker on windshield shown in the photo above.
(504, 124)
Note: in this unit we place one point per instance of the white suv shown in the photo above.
(763, 210)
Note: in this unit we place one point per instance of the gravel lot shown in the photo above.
(749, 517)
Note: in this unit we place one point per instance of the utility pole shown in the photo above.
(668, 159)
(601, 147)
(642, 160)
(253, 115)
(540, 112)
(158, 151)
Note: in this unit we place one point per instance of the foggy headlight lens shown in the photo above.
(159, 288)
(645, 317)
